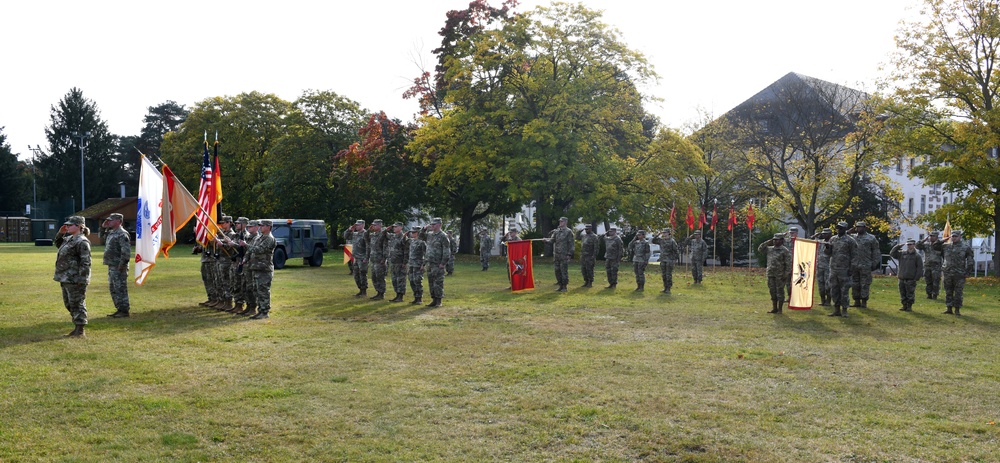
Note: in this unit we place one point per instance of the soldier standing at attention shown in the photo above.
(823, 266)
(415, 264)
(589, 242)
(563, 246)
(450, 267)
(614, 249)
(932, 264)
(225, 261)
(843, 252)
(377, 240)
(669, 253)
(909, 270)
(73, 270)
(438, 250)
(117, 255)
(210, 277)
(699, 252)
(869, 258)
(358, 237)
(261, 262)
(639, 250)
(958, 262)
(236, 270)
(779, 269)
(485, 248)
(398, 252)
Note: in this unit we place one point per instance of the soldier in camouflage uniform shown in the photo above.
(261, 263)
(932, 264)
(959, 260)
(249, 290)
(437, 253)
(73, 270)
(869, 259)
(398, 251)
(210, 276)
(614, 250)
(510, 236)
(843, 252)
(589, 242)
(699, 252)
(779, 269)
(117, 255)
(823, 266)
(669, 254)
(358, 237)
(450, 267)
(378, 238)
(236, 270)
(909, 269)
(227, 250)
(415, 263)
(640, 251)
(563, 246)
(485, 249)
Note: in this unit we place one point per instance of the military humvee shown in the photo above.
(299, 238)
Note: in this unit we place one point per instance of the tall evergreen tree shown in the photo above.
(14, 186)
(60, 169)
(159, 120)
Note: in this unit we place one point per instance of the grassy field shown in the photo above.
(590, 375)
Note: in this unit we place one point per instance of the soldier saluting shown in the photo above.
(117, 255)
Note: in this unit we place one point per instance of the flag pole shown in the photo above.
(750, 242)
(732, 236)
(715, 231)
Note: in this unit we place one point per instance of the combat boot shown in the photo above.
(78, 332)
(250, 310)
(948, 312)
(226, 305)
(844, 313)
(378, 296)
(74, 333)
(864, 303)
(417, 300)
(836, 312)
(774, 307)
(435, 302)
(857, 303)
(259, 316)
(641, 287)
(398, 298)
(612, 286)
(236, 308)
(206, 303)
(119, 314)
(588, 285)
(362, 293)
(958, 311)
(562, 289)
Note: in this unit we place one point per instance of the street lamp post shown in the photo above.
(82, 137)
(37, 150)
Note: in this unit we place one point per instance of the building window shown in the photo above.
(945, 201)
(899, 166)
(923, 204)
(913, 162)
(909, 206)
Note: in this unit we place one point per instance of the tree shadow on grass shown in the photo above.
(177, 318)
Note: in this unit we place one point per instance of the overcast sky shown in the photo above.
(129, 55)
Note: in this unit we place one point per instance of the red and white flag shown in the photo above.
(519, 265)
(207, 195)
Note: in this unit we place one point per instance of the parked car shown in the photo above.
(296, 238)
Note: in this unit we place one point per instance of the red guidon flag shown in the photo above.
(519, 265)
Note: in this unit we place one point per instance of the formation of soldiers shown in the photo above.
(407, 256)
(848, 258)
(237, 268)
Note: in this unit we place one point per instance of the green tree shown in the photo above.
(945, 106)
(15, 186)
(158, 121)
(248, 126)
(60, 169)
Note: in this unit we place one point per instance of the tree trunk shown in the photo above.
(465, 238)
(996, 235)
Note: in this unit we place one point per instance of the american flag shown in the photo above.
(206, 201)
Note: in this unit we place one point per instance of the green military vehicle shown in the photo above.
(299, 238)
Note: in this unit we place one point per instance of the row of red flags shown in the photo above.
(701, 220)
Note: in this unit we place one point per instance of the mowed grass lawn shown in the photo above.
(590, 375)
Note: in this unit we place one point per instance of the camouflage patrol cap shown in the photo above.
(911, 241)
(588, 226)
(793, 229)
(697, 232)
(826, 230)
(436, 221)
(778, 236)
(265, 223)
(614, 229)
(861, 223)
(956, 233)
(226, 219)
(115, 216)
(253, 223)
(641, 232)
(415, 229)
(377, 222)
(668, 231)
(397, 224)
(359, 222)
(563, 219)
(243, 220)
(842, 224)
(75, 220)
(933, 233)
